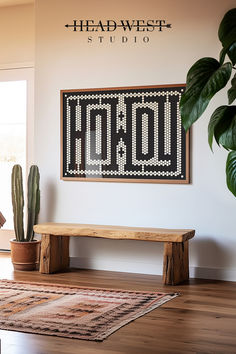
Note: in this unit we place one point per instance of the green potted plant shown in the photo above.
(24, 249)
(204, 79)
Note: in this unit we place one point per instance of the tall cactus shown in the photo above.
(33, 201)
(18, 202)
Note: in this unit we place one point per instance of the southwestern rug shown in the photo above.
(72, 311)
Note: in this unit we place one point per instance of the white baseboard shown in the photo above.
(228, 274)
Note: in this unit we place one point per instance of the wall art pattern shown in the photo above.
(129, 134)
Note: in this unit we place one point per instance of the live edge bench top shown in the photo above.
(55, 245)
(115, 232)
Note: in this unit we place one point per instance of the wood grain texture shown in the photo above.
(115, 232)
(175, 263)
(54, 253)
(201, 320)
(2, 220)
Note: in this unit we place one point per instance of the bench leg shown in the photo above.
(54, 253)
(175, 264)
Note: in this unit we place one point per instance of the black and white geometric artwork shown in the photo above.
(129, 134)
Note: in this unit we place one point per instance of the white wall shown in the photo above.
(64, 60)
(17, 36)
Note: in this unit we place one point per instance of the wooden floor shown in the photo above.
(201, 320)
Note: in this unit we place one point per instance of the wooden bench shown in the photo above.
(55, 245)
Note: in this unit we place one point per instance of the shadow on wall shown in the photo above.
(50, 202)
(211, 259)
(117, 255)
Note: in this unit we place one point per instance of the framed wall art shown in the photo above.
(124, 134)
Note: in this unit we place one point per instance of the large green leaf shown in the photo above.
(232, 53)
(231, 172)
(222, 56)
(227, 136)
(214, 126)
(232, 90)
(227, 34)
(204, 79)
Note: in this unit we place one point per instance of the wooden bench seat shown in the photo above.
(55, 245)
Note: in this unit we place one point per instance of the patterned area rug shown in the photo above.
(73, 312)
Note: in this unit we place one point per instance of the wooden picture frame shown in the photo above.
(124, 134)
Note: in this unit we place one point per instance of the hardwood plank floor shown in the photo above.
(201, 320)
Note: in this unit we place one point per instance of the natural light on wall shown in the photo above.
(13, 100)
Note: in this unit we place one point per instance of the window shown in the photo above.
(16, 136)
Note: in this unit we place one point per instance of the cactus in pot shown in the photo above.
(24, 242)
(18, 202)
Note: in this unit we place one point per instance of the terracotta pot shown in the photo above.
(25, 255)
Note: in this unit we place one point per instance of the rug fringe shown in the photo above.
(87, 287)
